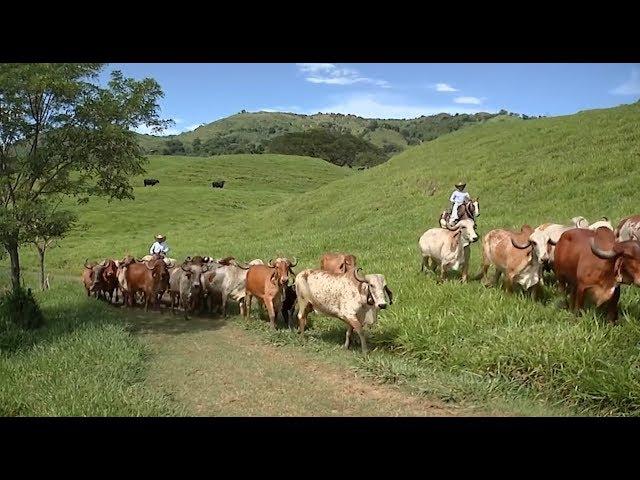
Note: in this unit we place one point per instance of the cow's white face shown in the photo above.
(539, 240)
(377, 284)
(467, 231)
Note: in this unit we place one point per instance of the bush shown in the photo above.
(19, 308)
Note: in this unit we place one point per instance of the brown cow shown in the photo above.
(267, 282)
(594, 263)
(512, 253)
(87, 276)
(150, 278)
(106, 280)
(337, 262)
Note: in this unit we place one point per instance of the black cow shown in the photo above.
(289, 304)
(150, 181)
(218, 184)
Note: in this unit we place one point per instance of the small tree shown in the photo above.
(61, 135)
(47, 227)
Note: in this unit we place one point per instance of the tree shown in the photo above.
(62, 135)
(197, 146)
(49, 226)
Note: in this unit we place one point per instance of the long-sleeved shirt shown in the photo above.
(458, 197)
(159, 247)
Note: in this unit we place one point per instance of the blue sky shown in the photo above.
(201, 93)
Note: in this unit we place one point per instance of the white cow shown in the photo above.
(348, 296)
(448, 248)
(544, 239)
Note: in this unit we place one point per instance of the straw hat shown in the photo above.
(461, 184)
(160, 237)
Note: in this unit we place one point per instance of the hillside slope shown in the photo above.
(254, 129)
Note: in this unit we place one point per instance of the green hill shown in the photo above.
(250, 132)
(461, 342)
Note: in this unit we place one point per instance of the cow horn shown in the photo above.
(551, 242)
(605, 219)
(188, 269)
(150, 268)
(605, 254)
(85, 264)
(521, 246)
(453, 229)
(104, 263)
(246, 266)
(296, 262)
(357, 277)
(390, 293)
(271, 260)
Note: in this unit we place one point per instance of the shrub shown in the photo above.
(19, 308)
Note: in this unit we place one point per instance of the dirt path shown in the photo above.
(216, 368)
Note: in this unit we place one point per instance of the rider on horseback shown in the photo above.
(458, 197)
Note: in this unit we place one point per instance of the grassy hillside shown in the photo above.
(253, 129)
(461, 342)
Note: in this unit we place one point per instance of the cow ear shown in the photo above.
(273, 278)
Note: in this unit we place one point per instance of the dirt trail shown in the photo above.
(216, 368)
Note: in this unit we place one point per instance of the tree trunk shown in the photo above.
(41, 252)
(12, 248)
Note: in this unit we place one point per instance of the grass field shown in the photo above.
(464, 343)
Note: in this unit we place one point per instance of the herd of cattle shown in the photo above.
(337, 288)
(586, 260)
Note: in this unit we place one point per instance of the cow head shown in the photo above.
(626, 255)
(159, 273)
(465, 232)
(374, 286)
(195, 273)
(282, 266)
(110, 271)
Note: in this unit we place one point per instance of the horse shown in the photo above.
(469, 209)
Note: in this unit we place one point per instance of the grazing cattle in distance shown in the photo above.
(350, 297)
(592, 263)
(581, 222)
(448, 248)
(628, 229)
(267, 282)
(218, 184)
(150, 181)
(150, 278)
(513, 254)
(337, 262)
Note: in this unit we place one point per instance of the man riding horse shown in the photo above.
(462, 206)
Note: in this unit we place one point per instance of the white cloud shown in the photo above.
(631, 86)
(178, 120)
(468, 100)
(444, 87)
(279, 108)
(369, 106)
(330, 74)
(315, 67)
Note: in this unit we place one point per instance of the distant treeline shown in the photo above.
(340, 139)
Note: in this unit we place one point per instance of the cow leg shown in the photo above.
(363, 341)
(347, 340)
(425, 263)
(303, 311)
(247, 305)
(224, 306)
(442, 270)
(272, 313)
(172, 295)
(508, 283)
(241, 304)
(612, 306)
(578, 299)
